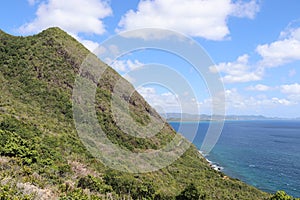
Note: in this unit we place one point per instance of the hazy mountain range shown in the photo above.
(205, 117)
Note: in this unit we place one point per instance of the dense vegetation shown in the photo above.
(41, 156)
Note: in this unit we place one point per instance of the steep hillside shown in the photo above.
(41, 155)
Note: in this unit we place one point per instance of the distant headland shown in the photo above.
(205, 117)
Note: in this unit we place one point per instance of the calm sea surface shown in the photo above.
(265, 154)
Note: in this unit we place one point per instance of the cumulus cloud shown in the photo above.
(166, 102)
(259, 87)
(245, 9)
(279, 52)
(74, 16)
(206, 18)
(90, 45)
(125, 65)
(291, 92)
(290, 89)
(282, 51)
(238, 71)
(241, 104)
(278, 101)
(234, 100)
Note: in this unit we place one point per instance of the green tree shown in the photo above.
(190, 193)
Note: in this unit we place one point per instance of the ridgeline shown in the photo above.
(41, 155)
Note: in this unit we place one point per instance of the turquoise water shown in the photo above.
(265, 154)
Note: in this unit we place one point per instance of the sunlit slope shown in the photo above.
(41, 153)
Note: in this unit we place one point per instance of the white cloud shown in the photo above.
(206, 18)
(238, 71)
(282, 51)
(119, 65)
(245, 9)
(278, 101)
(125, 65)
(90, 45)
(74, 16)
(167, 101)
(236, 101)
(285, 50)
(132, 65)
(32, 2)
(295, 98)
(279, 52)
(292, 30)
(259, 87)
(291, 89)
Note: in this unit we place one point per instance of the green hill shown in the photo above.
(41, 155)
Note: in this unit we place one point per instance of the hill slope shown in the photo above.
(41, 155)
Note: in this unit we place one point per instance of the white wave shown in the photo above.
(213, 165)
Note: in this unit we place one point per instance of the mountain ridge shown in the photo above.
(205, 117)
(41, 155)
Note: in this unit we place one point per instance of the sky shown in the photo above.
(254, 45)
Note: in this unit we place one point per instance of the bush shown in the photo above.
(93, 184)
(190, 193)
(281, 195)
(12, 145)
(8, 192)
(76, 194)
(124, 184)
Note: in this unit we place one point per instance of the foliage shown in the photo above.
(39, 142)
(190, 193)
(77, 194)
(126, 185)
(281, 195)
(93, 184)
(7, 192)
(12, 145)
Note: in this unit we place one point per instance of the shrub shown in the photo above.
(190, 193)
(12, 145)
(281, 195)
(93, 184)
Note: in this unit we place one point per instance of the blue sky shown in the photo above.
(255, 44)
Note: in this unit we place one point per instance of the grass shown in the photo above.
(40, 148)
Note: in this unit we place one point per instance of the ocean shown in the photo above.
(263, 153)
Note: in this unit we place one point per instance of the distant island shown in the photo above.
(204, 117)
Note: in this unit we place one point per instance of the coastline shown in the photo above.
(252, 167)
(212, 164)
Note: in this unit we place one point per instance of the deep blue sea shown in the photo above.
(265, 154)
